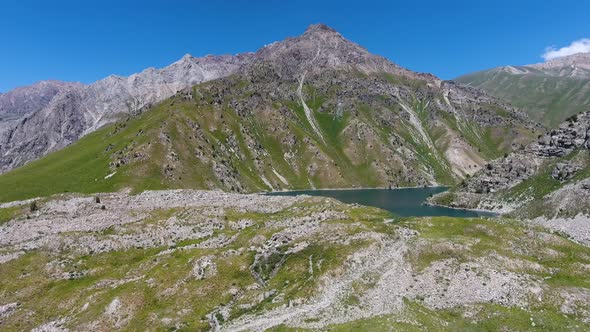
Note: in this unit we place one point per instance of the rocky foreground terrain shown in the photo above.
(197, 260)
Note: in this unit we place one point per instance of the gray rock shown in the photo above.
(29, 99)
(563, 171)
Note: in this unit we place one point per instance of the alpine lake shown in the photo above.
(403, 202)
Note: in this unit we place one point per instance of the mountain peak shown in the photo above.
(320, 48)
(319, 28)
(580, 60)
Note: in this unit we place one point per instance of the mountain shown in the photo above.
(313, 111)
(549, 92)
(549, 177)
(55, 114)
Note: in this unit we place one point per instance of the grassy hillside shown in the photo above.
(545, 98)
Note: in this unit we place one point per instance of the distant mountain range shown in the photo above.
(313, 111)
(549, 92)
(27, 100)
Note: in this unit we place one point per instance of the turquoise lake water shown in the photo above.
(406, 202)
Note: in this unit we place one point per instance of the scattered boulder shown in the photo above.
(204, 267)
(563, 171)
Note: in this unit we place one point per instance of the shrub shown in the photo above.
(33, 207)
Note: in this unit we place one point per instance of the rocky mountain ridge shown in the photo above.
(77, 111)
(575, 65)
(29, 99)
(60, 114)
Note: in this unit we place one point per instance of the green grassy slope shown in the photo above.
(547, 99)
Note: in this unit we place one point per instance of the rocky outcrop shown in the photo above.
(501, 175)
(564, 171)
(570, 135)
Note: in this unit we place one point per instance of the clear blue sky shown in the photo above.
(86, 40)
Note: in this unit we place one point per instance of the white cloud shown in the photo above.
(578, 46)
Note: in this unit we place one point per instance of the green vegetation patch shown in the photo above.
(465, 240)
(7, 214)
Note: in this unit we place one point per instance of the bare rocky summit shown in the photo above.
(319, 48)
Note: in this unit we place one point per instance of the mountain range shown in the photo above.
(313, 111)
(548, 92)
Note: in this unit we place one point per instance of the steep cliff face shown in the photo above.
(528, 181)
(313, 111)
(549, 92)
(51, 115)
(26, 100)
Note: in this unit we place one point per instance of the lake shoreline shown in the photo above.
(456, 208)
(343, 189)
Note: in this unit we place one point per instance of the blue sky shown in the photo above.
(87, 40)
